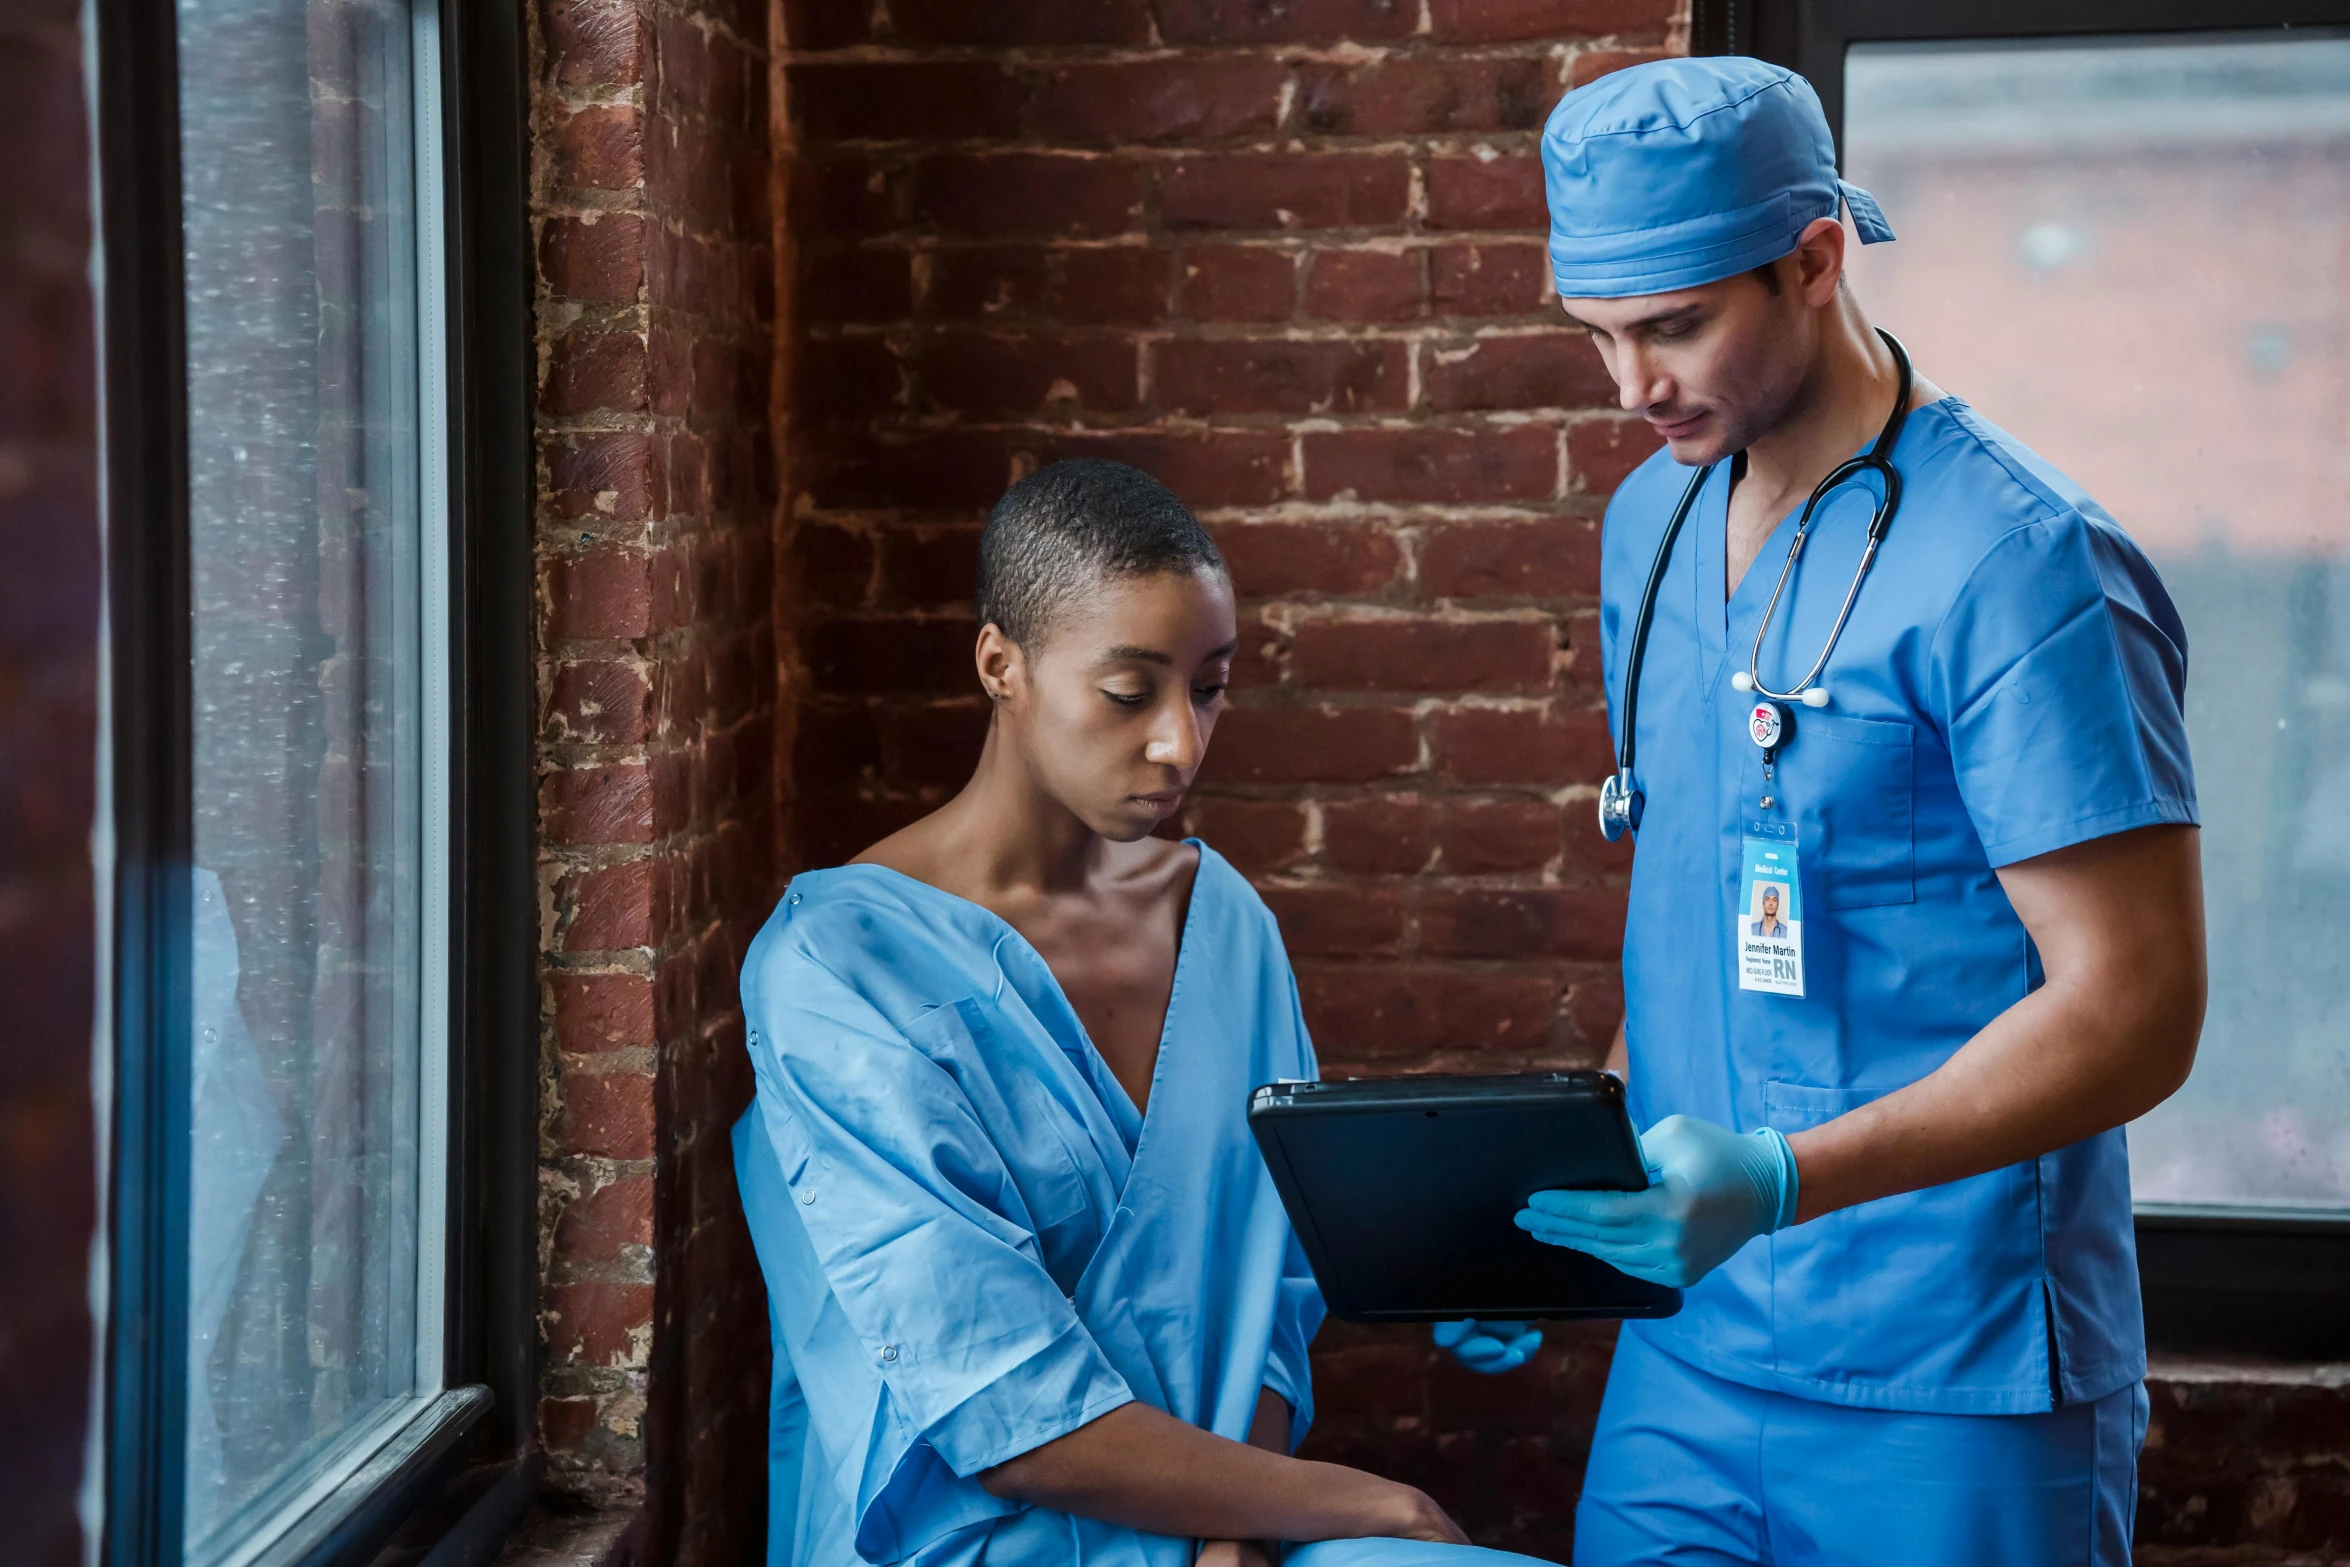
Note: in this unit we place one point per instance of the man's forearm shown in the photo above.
(1143, 1468)
(2111, 1034)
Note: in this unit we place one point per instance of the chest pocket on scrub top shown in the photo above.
(1849, 782)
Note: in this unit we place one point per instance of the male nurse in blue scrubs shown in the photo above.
(1889, 1165)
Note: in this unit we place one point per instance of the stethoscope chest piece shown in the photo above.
(1619, 806)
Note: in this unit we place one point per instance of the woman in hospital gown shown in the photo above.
(976, 1243)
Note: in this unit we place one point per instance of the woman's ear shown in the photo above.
(1002, 669)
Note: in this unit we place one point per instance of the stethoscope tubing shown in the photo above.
(1620, 801)
(1877, 460)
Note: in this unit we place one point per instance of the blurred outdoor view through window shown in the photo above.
(307, 556)
(2135, 255)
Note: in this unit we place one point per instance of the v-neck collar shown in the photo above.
(1133, 1121)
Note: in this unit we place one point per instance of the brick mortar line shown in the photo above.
(1411, 333)
(1367, 54)
(1381, 237)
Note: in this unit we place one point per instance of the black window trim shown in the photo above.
(2216, 1280)
(466, 1470)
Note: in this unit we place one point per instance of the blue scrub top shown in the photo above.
(2011, 682)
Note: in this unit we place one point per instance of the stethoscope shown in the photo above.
(1620, 799)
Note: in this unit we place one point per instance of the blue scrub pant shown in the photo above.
(1691, 1470)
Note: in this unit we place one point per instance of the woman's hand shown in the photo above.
(1417, 1517)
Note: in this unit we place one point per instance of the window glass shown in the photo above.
(307, 552)
(2135, 254)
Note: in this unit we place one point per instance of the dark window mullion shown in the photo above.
(152, 809)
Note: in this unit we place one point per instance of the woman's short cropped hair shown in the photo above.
(1072, 525)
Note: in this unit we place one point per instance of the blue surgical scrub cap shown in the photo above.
(1681, 172)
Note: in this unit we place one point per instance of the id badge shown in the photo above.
(1768, 921)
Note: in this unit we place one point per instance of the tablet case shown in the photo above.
(1402, 1190)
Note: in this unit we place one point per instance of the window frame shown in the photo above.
(462, 1472)
(2215, 1278)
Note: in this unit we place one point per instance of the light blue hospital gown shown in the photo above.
(973, 1242)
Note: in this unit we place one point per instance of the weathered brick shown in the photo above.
(1277, 558)
(1481, 837)
(608, 1222)
(1254, 376)
(1255, 835)
(1589, 65)
(1562, 922)
(893, 655)
(985, 282)
(604, 593)
(1025, 375)
(1286, 745)
(1188, 98)
(1239, 283)
(845, 379)
(1494, 279)
(1549, 558)
(611, 804)
(592, 42)
(594, 1013)
(1601, 453)
(1384, 835)
(1223, 469)
(597, 372)
(1481, 745)
(600, 148)
(1415, 95)
(606, 1113)
(930, 567)
(1391, 1012)
(616, 477)
(1400, 654)
(1287, 21)
(1030, 23)
(1348, 922)
(1512, 21)
(601, 701)
(1366, 285)
(599, 1324)
(825, 24)
(1111, 285)
(903, 100)
(1283, 190)
(1486, 191)
(1518, 462)
(857, 285)
(1553, 369)
(1010, 193)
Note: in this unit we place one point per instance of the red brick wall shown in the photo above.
(1286, 254)
(49, 600)
(656, 679)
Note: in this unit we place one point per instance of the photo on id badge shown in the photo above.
(1769, 921)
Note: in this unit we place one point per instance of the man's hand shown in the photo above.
(1235, 1553)
(1489, 1347)
(1713, 1191)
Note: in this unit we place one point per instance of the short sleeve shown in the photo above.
(919, 1229)
(2061, 673)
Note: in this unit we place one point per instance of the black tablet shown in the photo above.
(1402, 1190)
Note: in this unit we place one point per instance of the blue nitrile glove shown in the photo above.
(1489, 1346)
(1712, 1191)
